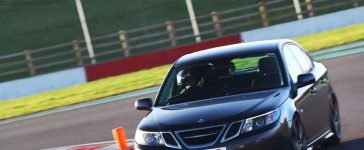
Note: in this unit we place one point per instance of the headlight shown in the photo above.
(148, 138)
(261, 121)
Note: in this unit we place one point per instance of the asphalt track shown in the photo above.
(94, 123)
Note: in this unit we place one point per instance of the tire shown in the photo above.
(335, 122)
(298, 135)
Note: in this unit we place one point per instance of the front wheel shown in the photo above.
(335, 122)
(298, 135)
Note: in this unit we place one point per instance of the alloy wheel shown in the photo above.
(335, 120)
(298, 138)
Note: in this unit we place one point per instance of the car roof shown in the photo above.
(230, 51)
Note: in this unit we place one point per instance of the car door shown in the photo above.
(318, 103)
(305, 99)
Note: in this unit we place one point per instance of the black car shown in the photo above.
(258, 95)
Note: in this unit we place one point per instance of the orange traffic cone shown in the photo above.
(120, 138)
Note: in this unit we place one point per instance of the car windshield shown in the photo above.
(221, 77)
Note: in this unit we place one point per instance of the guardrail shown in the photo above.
(160, 36)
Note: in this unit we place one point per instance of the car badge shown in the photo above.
(201, 121)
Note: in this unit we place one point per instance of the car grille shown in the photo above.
(170, 141)
(233, 131)
(197, 138)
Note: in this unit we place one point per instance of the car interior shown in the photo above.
(228, 77)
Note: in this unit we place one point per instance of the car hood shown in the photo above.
(213, 111)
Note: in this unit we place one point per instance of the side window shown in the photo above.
(302, 58)
(294, 67)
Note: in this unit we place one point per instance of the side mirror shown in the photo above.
(143, 104)
(305, 79)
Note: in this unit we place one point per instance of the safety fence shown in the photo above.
(173, 33)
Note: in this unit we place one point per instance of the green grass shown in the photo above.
(29, 24)
(81, 93)
(32, 24)
(332, 38)
(145, 78)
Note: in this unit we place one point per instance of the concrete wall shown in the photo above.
(42, 83)
(307, 26)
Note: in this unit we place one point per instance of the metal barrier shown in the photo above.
(160, 36)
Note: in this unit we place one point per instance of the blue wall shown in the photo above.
(307, 26)
(41, 83)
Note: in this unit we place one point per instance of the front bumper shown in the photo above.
(276, 138)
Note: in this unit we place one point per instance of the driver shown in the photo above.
(194, 83)
(190, 78)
